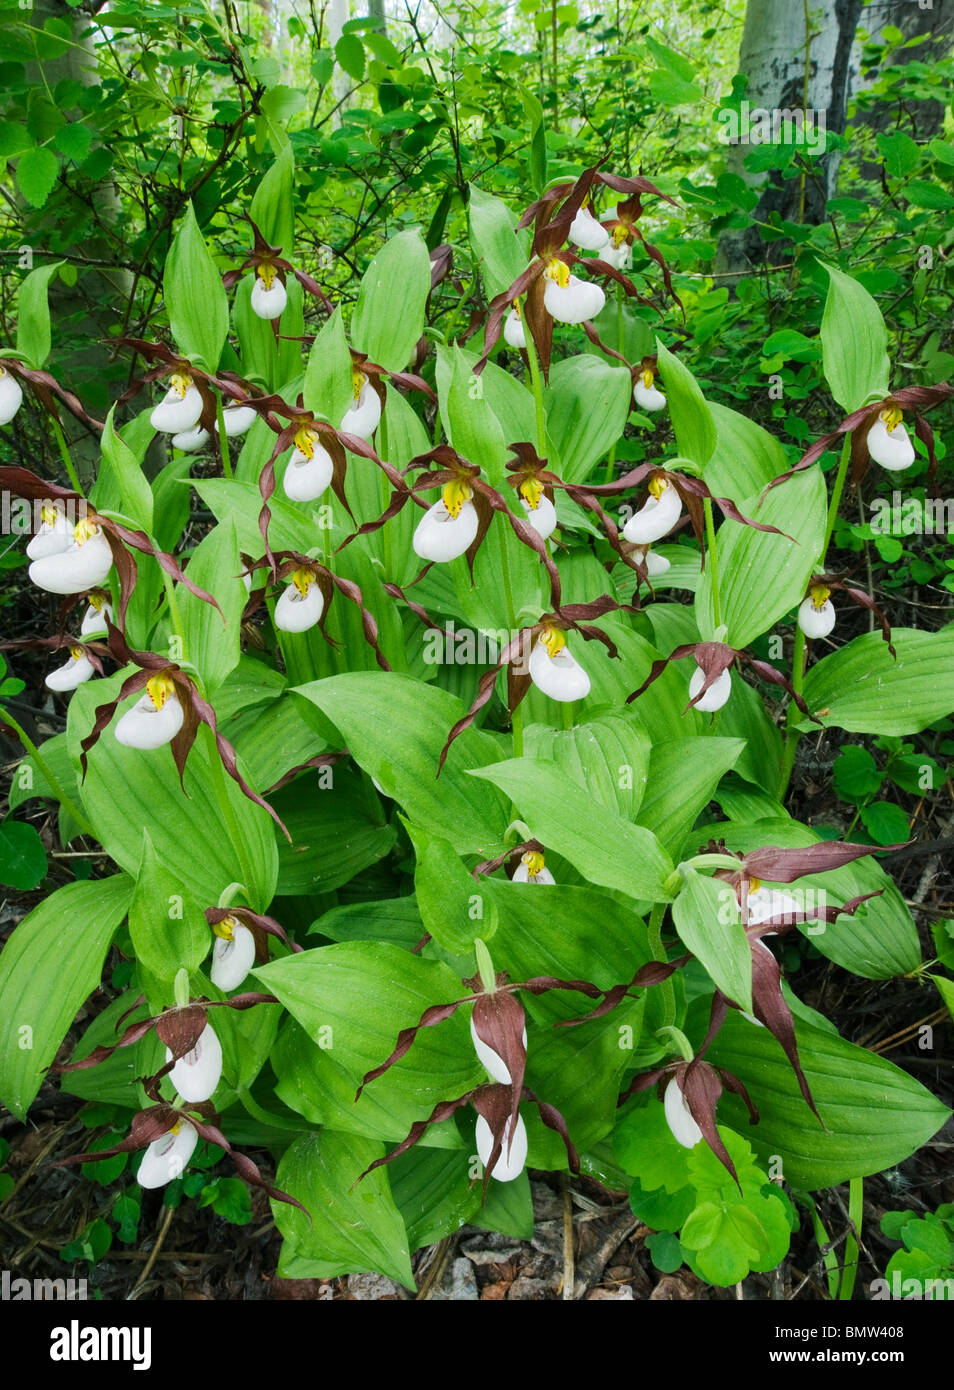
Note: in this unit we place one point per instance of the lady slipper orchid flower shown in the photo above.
(76, 672)
(169, 1137)
(269, 294)
(547, 289)
(449, 528)
(301, 604)
(155, 719)
(305, 602)
(191, 440)
(566, 297)
(233, 954)
(554, 670)
(196, 1074)
(877, 434)
(645, 392)
(11, 395)
(541, 515)
(84, 564)
(363, 417)
(310, 469)
(532, 869)
(239, 937)
(587, 233)
(816, 613)
(180, 408)
(716, 693)
(513, 1147)
(167, 1157)
(888, 441)
(682, 1126)
(54, 536)
(73, 571)
(98, 610)
(710, 679)
(169, 712)
(657, 516)
(513, 330)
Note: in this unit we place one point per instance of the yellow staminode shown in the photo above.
(84, 529)
(98, 599)
(358, 380)
(819, 595)
(892, 417)
(303, 580)
(180, 382)
(454, 494)
(754, 885)
(48, 515)
(620, 234)
(554, 640)
(533, 862)
(647, 376)
(657, 487)
(159, 688)
(305, 441)
(76, 653)
(176, 1127)
(531, 490)
(558, 271)
(266, 272)
(225, 928)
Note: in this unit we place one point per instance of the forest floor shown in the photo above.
(191, 1253)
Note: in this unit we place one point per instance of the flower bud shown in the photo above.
(513, 1156)
(679, 1117)
(656, 565)
(532, 869)
(717, 694)
(237, 420)
(514, 333)
(492, 1060)
(94, 619)
(166, 1157)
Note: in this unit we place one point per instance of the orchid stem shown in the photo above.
(658, 951)
(223, 438)
(713, 561)
(385, 495)
(43, 767)
(611, 459)
(536, 380)
(791, 733)
(65, 455)
(679, 1041)
(836, 496)
(856, 1193)
(227, 809)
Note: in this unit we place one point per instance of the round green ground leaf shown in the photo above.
(22, 856)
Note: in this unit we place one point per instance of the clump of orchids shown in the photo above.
(499, 1035)
(690, 1088)
(548, 290)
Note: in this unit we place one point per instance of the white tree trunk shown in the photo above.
(338, 14)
